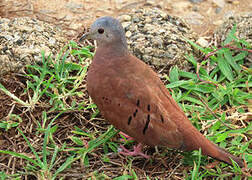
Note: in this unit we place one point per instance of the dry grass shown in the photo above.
(79, 127)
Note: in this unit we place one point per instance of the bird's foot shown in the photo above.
(137, 151)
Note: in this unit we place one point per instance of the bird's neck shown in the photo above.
(115, 49)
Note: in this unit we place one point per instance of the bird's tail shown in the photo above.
(226, 157)
(196, 140)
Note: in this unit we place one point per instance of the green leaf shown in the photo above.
(216, 126)
(123, 177)
(192, 60)
(228, 56)
(221, 137)
(240, 56)
(19, 155)
(225, 68)
(187, 75)
(204, 88)
(174, 75)
(196, 46)
(67, 163)
(230, 35)
(177, 84)
(77, 141)
(193, 100)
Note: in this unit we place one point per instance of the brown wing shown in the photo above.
(132, 98)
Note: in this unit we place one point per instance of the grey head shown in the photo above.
(107, 31)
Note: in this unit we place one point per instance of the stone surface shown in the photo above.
(158, 38)
(23, 39)
(203, 42)
(194, 18)
(219, 3)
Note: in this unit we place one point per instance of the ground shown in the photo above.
(74, 15)
(204, 17)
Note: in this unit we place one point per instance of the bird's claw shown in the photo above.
(137, 151)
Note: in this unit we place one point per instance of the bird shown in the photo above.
(131, 96)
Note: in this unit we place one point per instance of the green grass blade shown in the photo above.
(225, 68)
(32, 149)
(68, 162)
(55, 152)
(19, 155)
(229, 58)
(8, 93)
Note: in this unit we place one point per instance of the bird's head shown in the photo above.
(106, 30)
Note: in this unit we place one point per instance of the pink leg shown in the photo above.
(137, 149)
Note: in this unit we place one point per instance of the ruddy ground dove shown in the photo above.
(131, 96)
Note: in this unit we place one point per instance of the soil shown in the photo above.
(76, 15)
(203, 17)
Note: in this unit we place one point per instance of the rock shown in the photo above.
(243, 31)
(194, 18)
(158, 38)
(125, 18)
(219, 3)
(229, 14)
(202, 42)
(126, 24)
(128, 34)
(218, 10)
(23, 39)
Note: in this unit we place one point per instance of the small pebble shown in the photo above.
(125, 24)
(202, 42)
(236, 2)
(219, 3)
(229, 14)
(194, 18)
(19, 42)
(128, 34)
(136, 20)
(218, 10)
(125, 17)
(161, 31)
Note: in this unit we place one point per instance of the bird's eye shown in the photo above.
(100, 31)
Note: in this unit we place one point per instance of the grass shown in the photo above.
(54, 131)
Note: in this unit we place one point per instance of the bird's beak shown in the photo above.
(84, 36)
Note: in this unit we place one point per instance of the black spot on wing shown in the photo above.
(129, 120)
(146, 124)
(162, 119)
(135, 113)
(148, 107)
(138, 103)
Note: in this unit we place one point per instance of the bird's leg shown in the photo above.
(137, 149)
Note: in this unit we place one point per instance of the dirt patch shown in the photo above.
(203, 17)
(74, 16)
